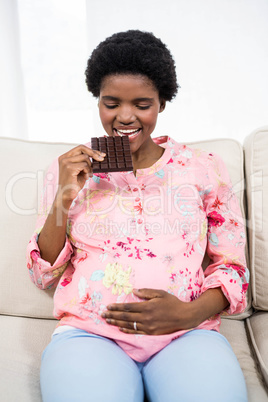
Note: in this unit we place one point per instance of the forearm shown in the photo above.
(53, 235)
(208, 304)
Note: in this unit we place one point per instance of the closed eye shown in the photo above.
(143, 107)
(111, 106)
(140, 107)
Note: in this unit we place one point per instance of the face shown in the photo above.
(129, 105)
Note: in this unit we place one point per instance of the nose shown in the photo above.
(126, 115)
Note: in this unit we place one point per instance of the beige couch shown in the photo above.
(26, 320)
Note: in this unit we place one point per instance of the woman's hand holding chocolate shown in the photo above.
(75, 168)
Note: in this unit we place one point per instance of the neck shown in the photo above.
(147, 155)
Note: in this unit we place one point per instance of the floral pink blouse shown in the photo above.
(148, 231)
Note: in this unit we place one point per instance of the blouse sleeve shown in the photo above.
(42, 273)
(226, 238)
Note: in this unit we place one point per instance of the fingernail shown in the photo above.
(103, 153)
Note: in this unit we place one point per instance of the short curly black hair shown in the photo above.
(133, 52)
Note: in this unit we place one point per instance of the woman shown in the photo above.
(137, 313)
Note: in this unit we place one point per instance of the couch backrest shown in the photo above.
(24, 164)
(256, 154)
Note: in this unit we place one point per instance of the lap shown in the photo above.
(77, 366)
(200, 365)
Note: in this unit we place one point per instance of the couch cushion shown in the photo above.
(256, 154)
(235, 332)
(24, 339)
(22, 343)
(25, 163)
(258, 330)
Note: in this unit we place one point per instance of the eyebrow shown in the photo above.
(113, 98)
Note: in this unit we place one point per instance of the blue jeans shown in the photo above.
(200, 366)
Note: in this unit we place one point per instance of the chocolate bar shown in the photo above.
(118, 155)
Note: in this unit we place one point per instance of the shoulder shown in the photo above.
(197, 156)
(206, 167)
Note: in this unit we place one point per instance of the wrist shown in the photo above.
(62, 203)
(195, 313)
(188, 316)
(208, 304)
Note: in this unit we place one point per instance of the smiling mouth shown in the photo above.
(130, 132)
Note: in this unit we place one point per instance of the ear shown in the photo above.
(162, 105)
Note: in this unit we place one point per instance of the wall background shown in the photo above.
(220, 48)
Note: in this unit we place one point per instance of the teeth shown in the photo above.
(127, 132)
